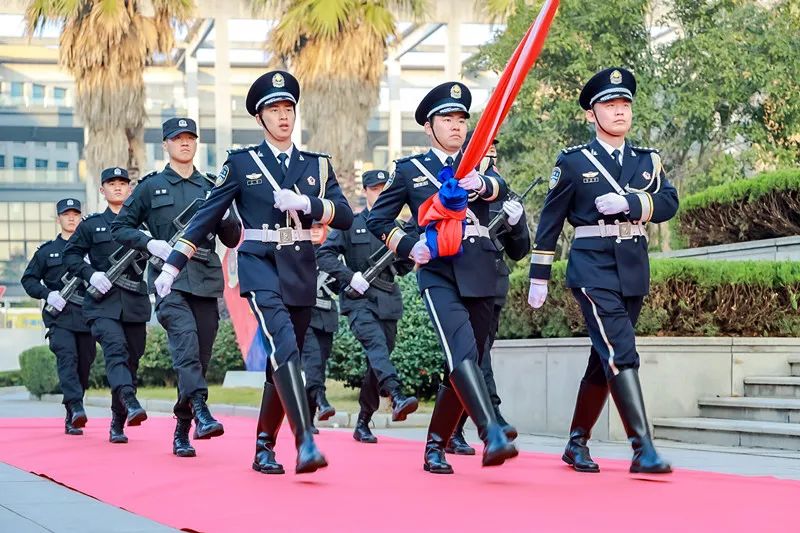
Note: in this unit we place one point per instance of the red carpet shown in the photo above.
(381, 487)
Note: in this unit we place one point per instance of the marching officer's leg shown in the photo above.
(284, 329)
(612, 333)
(314, 373)
(462, 326)
(87, 351)
(64, 345)
(206, 317)
(112, 336)
(368, 401)
(325, 341)
(367, 328)
(592, 395)
(488, 373)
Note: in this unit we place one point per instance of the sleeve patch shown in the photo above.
(223, 175)
(554, 177)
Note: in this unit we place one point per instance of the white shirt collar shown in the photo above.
(608, 148)
(443, 155)
(276, 151)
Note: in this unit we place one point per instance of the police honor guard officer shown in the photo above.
(189, 313)
(119, 315)
(279, 191)
(67, 330)
(609, 191)
(458, 291)
(374, 309)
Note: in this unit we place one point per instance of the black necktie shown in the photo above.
(449, 161)
(615, 154)
(282, 157)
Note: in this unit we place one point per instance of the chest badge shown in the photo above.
(253, 179)
(590, 177)
(646, 175)
(420, 181)
(311, 181)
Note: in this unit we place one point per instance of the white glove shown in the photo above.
(227, 214)
(472, 181)
(537, 294)
(100, 282)
(56, 300)
(611, 204)
(359, 284)
(160, 249)
(514, 211)
(164, 280)
(420, 253)
(287, 200)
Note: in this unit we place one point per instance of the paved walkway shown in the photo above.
(29, 503)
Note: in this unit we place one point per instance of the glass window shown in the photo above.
(16, 88)
(2, 161)
(16, 230)
(31, 211)
(62, 145)
(38, 93)
(15, 210)
(41, 163)
(47, 230)
(32, 231)
(59, 94)
(211, 156)
(20, 162)
(3, 210)
(62, 165)
(5, 251)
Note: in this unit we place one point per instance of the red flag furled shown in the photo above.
(507, 88)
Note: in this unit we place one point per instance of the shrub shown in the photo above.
(225, 354)
(155, 366)
(38, 370)
(10, 378)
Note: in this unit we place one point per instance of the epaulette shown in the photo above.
(645, 149)
(211, 178)
(318, 154)
(90, 215)
(232, 151)
(406, 158)
(44, 244)
(574, 148)
(153, 173)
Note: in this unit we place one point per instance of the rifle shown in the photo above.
(323, 279)
(186, 215)
(500, 220)
(120, 261)
(71, 284)
(385, 257)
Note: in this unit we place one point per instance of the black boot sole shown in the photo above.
(498, 457)
(325, 414)
(405, 410)
(366, 440)
(184, 452)
(73, 431)
(579, 468)
(460, 451)
(79, 421)
(137, 418)
(215, 431)
(311, 466)
(428, 468)
(118, 440)
(666, 469)
(268, 471)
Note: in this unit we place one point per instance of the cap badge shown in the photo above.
(70, 202)
(118, 172)
(616, 77)
(277, 80)
(182, 123)
(455, 92)
(381, 176)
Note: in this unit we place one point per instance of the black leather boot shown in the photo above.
(362, 432)
(69, 427)
(205, 425)
(402, 405)
(180, 440)
(446, 412)
(78, 413)
(458, 445)
(312, 409)
(289, 384)
(588, 406)
(135, 412)
(269, 423)
(508, 429)
(116, 434)
(326, 410)
(627, 393)
(468, 382)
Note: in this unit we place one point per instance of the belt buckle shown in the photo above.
(625, 230)
(285, 236)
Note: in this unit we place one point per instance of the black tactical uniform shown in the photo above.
(458, 291)
(608, 269)
(372, 316)
(118, 319)
(276, 265)
(189, 313)
(67, 330)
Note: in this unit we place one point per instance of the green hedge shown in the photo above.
(10, 378)
(417, 355)
(687, 298)
(764, 207)
(38, 368)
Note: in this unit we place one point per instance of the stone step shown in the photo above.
(786, 410)
(722, 432)
(772, 386)
(794, 364)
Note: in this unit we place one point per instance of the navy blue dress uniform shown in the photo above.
(318, 345)
(608, 269)
(458, 291)
(189, 313)
(372, 316)
(276, 263)
(68, 333)
(118, 321)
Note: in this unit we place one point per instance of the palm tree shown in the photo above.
(105, 45)
(337, 51)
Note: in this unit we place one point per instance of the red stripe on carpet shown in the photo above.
(380, 487)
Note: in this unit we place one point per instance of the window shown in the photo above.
(62, 145)
(2, 161)
(59, 95)
(41, 163)
(20, 162)
(23, 227)
(62, 165)
(211, 156)
(16, 89)
(38, 93)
